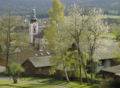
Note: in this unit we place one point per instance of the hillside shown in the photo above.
(24, 6)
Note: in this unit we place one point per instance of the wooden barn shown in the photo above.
(37, 66)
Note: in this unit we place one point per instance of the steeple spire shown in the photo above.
(33, 19)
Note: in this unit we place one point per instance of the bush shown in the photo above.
(15, 71)
(109, 83)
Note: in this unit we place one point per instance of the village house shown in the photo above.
(104, 54)
(38, 66)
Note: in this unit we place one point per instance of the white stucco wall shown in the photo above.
(31, 31)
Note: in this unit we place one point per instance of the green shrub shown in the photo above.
(108, 83)
(15, 71)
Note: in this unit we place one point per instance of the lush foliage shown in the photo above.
(56, 16)
(109, 83)
(115, 30)
(82, 28)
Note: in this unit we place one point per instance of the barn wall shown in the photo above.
(43, 71)
(29, 68)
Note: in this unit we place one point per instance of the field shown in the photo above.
(111, 16)
(109, 36)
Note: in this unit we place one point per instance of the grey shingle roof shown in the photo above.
(105, 50)
(42, 61)
(115, 70)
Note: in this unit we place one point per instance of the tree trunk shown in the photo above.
(14, 79)
(91, 64)
(80, 67)
(80, 64)
(66, 74)
(85, 71)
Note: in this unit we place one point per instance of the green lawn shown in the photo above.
(72, 84)
(49, 83)
(9, 84)
(109, 35)
(112, 16)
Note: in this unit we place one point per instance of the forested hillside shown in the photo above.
(24, 6)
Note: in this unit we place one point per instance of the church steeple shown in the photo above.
(33, 19)
(33, 30)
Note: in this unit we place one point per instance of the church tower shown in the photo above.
(33, 29)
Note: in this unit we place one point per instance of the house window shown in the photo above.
(100, 63)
